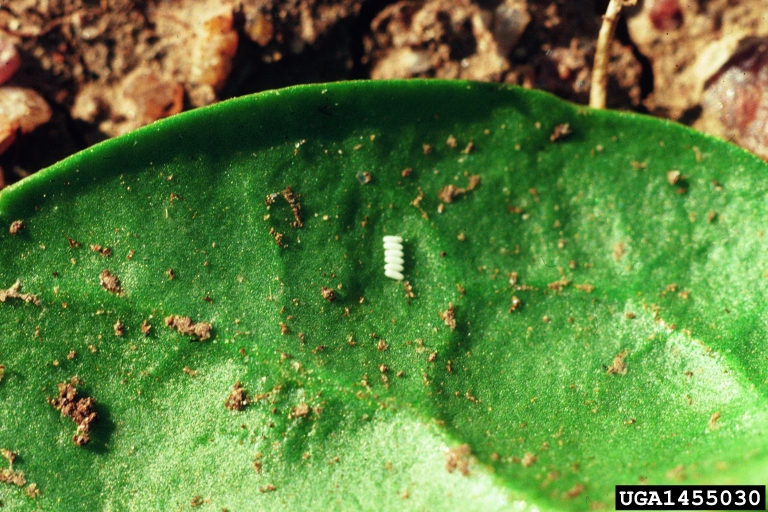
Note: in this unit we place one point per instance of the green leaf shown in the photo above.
(637, 351)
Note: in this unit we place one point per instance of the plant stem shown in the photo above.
(597, 90)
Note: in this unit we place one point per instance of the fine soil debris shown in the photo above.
(80, 409)
(328, 294)
(560, 132)
(528, 460)
(458, 458)
(236, 400)
(104, 251)
(713, 421)
(449, 316)
(618, 367)
(16, 226)
(109, 281)
(293, 201)
(13, 293)
(448, 193)
(184, 325)
(278, 238)
(299, 411)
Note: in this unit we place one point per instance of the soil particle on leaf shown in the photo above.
(328, 294)
(16, 226)
(184, 325)
(104, 251)
(171, 274)
(449, 316)
(516, 303)
(574, 491)
(9, 476)
(278, 238)
(528, 460)
(630, 315)
(408, 290)
(13, 293)
(427, 148)
(618, 367)
(382, 345)
(284, 329)
(73, 244)
(78, 408)
(677, 473)
(119, 328)
(8, 455)
(300, 411)
(109, 281)
(236, 400)
(293, 200)
(618, 250)
(586, 287)
(145, 328)
(432, 357)
(560, 132)
(449, 193)
(2, 372)
(558, 286)
(451, 142)
(189, 371)
(267, 488)
(713, 421)
(458, 458)
(674, 177)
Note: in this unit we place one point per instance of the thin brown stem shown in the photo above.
(597, 91)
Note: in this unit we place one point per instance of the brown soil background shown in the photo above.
(106, 67)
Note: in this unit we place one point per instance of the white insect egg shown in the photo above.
(393, 257)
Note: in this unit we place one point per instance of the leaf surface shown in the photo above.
(636, 351)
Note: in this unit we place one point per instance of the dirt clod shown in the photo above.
(448, 193)
(299, 411)
(13, 293)
(80, 409)
(8, 455)
(236, 400)
(528, 460)
(104, 251)
(293, 200)
(516, 303)
(145, 328)
(199, 331)
(713, 421)
(618, 367)
(16, 226)
(109, 281)
(574, 491)
(449, 316)
(458, 458)
(328, 294)
(560, 132)
(278, 238)
(119, 328)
